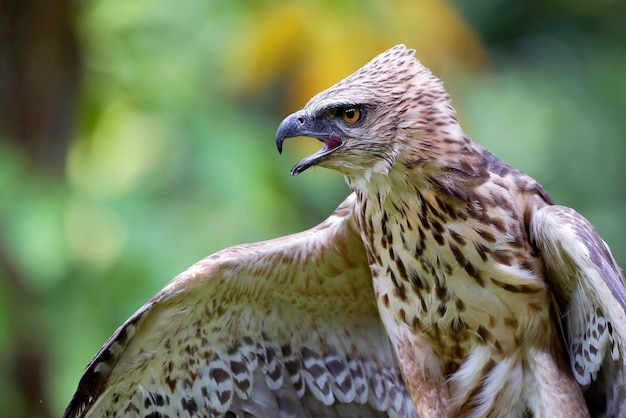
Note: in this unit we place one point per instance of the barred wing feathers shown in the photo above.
(590, 292)
(282, 328)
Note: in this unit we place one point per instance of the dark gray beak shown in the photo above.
(290, 127)
(300, 124)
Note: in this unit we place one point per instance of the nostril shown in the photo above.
(301, 120)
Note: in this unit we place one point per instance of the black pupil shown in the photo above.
(350, 113)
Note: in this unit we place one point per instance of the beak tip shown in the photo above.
(288, 128)
(279, 144)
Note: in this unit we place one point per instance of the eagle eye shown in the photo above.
(350, 115)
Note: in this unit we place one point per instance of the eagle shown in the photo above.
(447, 284)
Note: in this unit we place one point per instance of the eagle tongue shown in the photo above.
(330, 144)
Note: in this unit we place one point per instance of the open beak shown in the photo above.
(299, 124)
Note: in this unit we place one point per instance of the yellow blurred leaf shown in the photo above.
(308, 46)
(125, 145)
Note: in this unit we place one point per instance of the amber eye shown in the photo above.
(351, 115)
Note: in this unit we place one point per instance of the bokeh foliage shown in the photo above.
(171, 155)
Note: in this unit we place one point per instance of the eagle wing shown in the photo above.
(281, 328)
(590, 293)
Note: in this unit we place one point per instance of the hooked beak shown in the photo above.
(300, 124)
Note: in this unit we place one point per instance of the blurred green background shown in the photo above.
(138, 137)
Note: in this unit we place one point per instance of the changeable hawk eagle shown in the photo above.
(446, 269)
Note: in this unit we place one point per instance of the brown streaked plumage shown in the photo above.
(282, 328)
(497, 302)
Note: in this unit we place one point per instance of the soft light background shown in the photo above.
(137, 137)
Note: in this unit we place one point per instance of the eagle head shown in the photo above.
(391, 110)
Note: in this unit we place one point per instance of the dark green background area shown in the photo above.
(128, 152)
